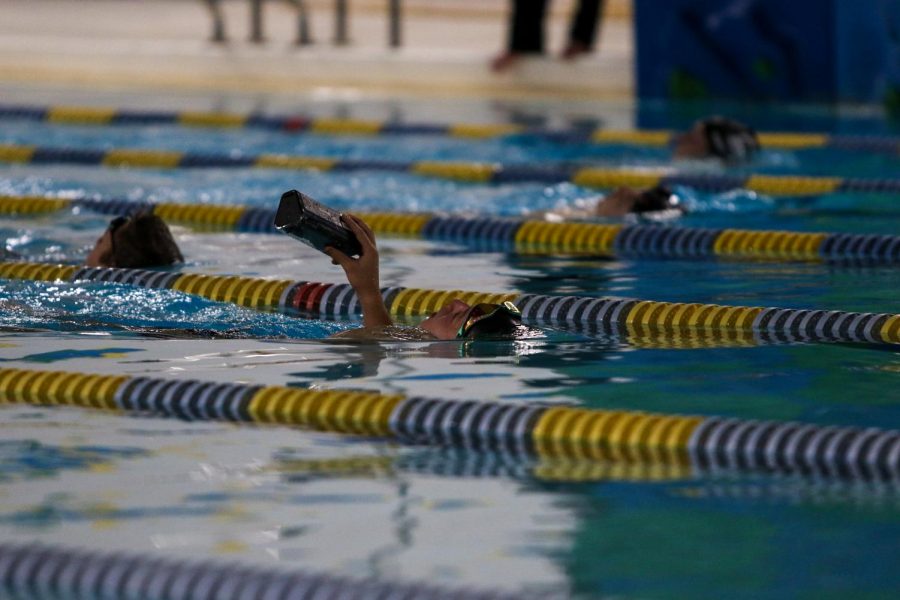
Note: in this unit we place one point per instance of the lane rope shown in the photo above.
(616, 317)
(42, 571)
(85, 115)
(492, 234)
(473, 172)
(702, 444)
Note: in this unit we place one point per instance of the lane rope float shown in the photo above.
(42, 571)
(492, 234)
(85, 115)
(606, 315)
(704, 444)
(464, 171)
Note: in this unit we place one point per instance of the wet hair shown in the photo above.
(729, 140)
(142, 241)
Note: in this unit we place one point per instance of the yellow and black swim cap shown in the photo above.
(490, 319)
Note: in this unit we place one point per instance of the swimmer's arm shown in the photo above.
(359, 334)
(563, 214)
(362, 274)
(617, 203)
(375, 313)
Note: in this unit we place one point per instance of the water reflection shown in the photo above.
(25, 459)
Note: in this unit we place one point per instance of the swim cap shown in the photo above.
(729, 140)
(488, 319)
(656, 199)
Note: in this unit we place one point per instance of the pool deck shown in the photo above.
(165, 45)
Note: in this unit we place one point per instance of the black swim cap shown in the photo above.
(730, 140)
(656, 199)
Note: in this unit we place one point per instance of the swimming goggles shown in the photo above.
(490, 318)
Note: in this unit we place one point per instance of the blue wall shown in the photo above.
(846, 50)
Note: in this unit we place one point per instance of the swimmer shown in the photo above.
(714, 137)
(455, 320)
(717, 137)
(658, 202)
(135, 242)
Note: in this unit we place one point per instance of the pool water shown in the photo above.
(368, 507)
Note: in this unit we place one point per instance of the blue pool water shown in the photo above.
(367, 507)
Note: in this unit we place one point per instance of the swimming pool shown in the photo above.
(364, 506)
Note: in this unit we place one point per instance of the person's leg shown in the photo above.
(526, 32)
(583, 31)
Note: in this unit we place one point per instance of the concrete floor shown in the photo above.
(163, 46)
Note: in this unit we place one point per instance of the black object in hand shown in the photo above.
(314, 224)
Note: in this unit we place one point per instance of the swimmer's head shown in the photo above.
(656, 199)
(718, 137)
(487, 319)
(139, 241)
(626, 200)
(458, 320)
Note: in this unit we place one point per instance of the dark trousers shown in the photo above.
(526, 31)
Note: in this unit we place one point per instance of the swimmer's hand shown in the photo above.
(362, 272)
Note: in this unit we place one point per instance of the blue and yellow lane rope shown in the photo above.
(85, 115)
(700, 443)
(473, 172)
(637, 319)
(523, 236)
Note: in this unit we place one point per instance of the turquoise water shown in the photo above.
(290, 498)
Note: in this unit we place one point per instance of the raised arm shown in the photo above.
(362, 273)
